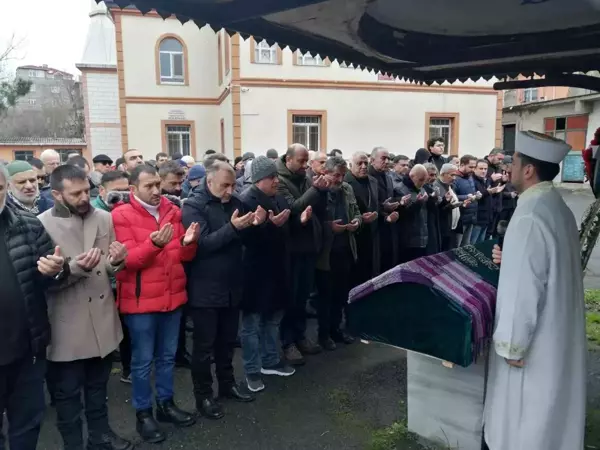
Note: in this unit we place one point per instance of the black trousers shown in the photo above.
(182, 342)
(293, 324)
(69, 380)
(125, 349)
(410, 254)
(215, 335)
(22, 398)
(448, 242)
(333, 286)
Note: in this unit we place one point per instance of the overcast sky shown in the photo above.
(52, 31)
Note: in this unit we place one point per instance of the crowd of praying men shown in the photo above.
(119, 260)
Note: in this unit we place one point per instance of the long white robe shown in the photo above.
(540, 318)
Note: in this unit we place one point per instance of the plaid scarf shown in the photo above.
(33, 210)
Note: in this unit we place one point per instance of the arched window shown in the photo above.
(171, 59)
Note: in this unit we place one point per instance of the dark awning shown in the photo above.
(421, 40)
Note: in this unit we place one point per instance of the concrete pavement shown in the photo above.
(334, 402)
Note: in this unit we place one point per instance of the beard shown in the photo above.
(176, 193)
(77, 210)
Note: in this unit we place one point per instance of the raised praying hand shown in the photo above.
(51, 265)
(117, 253)
(497, 255)
(191, 234)
(280, 219)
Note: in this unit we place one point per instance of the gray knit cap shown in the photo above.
(262, 167)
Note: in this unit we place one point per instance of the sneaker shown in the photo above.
(126, 377)
(255, 382)
(281, 369)
(293, 356)
(306, 347)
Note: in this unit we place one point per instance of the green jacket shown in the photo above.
(353, 212)
(98, 203)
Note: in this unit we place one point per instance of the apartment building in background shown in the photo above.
(159, 85)
(49, 87)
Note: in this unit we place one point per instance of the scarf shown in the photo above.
(33, 209)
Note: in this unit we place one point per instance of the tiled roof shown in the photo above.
(50, 141)
(45, 69)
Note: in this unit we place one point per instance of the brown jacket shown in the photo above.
(83, 315)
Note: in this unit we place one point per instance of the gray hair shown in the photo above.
(447, 168)
(213, 158)
(334, 163)
(376, 150)
(357, 155)
(431, 167)
(418, 168)
(217, 166)
(48, 152)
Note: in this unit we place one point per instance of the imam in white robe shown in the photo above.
(540, 318)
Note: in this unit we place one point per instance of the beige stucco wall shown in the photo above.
(287, 70)
(361, 120)
(140, 35)
(145, 131)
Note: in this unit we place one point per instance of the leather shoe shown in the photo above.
(168, 412)
(237, 394)
(342, 337)
(148, 428)
(107, 441)
(328, 344)
(210, 409)
(307, 347)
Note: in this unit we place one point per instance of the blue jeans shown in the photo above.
(259, 341)
(478, 234)
(154, 338)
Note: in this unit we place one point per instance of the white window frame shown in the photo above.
(306, 126)
(528, 95)
(32, 73)
(55, 89)
(33, 88)
(261, 47)
(32, 101)
(179, 134)
(302, 59)
(437, 130)
(172, 79)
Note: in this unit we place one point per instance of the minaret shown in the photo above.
(100, 84)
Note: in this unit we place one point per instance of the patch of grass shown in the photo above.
(593, 328)
(592, 319)
(592, 300)
(592, 429)
(393, 437)
(342, 409)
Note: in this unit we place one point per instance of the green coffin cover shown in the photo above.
(429, 317)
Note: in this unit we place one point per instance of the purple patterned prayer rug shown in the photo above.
(465, 276)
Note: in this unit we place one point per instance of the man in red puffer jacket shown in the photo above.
(150, 294)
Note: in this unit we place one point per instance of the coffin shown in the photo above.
(440, 305)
